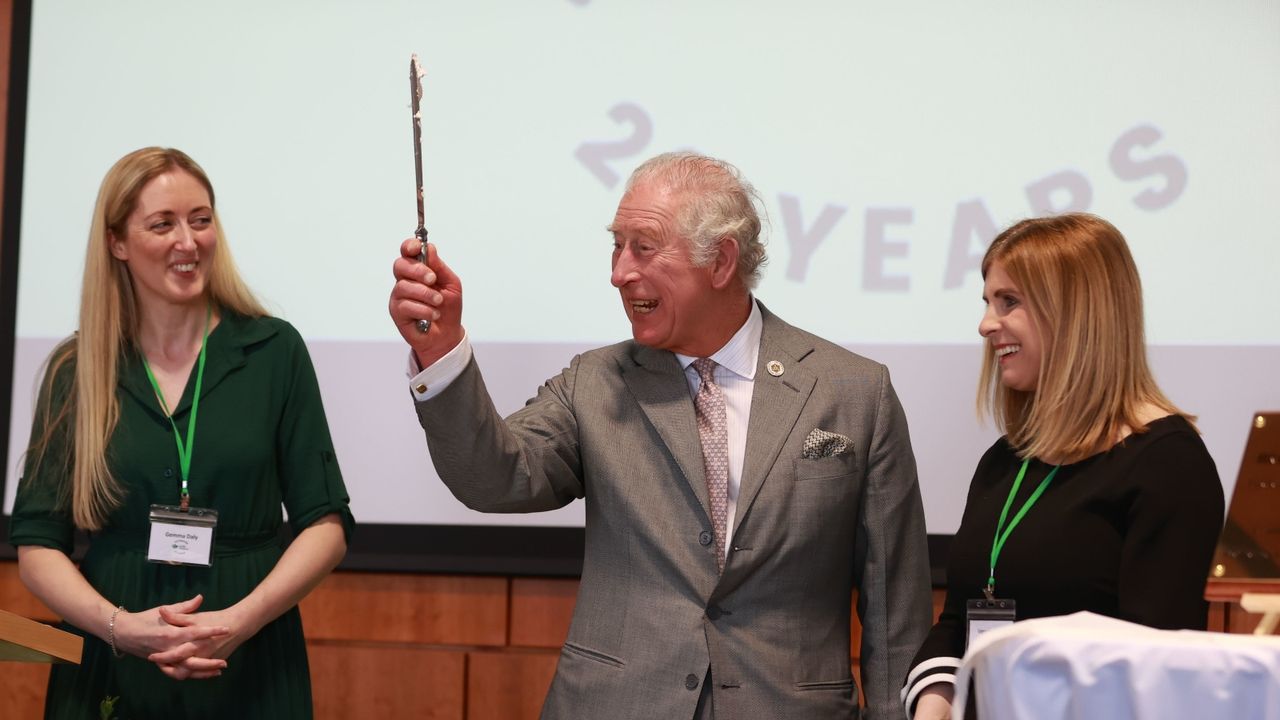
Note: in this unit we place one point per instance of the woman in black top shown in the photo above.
(1123, 503)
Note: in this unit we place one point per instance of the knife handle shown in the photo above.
(423, 325)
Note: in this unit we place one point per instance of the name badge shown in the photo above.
(182, 537)
(986, 615)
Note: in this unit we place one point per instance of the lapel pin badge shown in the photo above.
(775, 368)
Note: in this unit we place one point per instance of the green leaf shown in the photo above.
(107, 708)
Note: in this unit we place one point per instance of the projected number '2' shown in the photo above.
(596, 154)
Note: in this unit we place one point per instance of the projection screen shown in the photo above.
(889, 141)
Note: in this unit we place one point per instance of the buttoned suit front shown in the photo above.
(618, 428)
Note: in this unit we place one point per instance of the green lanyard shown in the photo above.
(185, 449)
(997, 544)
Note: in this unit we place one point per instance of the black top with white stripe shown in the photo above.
(1127, 533)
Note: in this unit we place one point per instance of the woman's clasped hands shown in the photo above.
(183, 643)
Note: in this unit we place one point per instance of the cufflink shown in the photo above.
(420, 388)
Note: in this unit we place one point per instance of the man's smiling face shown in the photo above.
(667, 298)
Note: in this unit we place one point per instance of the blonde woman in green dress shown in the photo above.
(173, 427)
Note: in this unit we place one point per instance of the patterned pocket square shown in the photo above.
(823, 444)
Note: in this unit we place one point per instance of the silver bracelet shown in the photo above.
(111, 632)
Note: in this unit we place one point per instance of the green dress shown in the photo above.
(261, 440)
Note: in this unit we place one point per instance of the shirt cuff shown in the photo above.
(428, 383)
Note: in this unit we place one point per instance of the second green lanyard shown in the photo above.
(185, 449)
(997, 544)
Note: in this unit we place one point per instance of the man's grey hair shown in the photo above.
(715, 201)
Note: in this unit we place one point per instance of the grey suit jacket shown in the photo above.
(617, 427)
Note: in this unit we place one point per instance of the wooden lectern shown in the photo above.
(23, 640)
(1246, 564)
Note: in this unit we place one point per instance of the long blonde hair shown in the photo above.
(1082, 289)
(108, 325)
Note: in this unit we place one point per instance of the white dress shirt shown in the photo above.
(735, 373)
(432, 381)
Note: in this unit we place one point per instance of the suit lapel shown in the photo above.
(776, 402)
(658, 384)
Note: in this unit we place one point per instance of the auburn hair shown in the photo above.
(1081, 287)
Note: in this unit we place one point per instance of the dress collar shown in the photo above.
(226, 353)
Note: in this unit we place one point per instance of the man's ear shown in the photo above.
(117, 247)
(724, 269)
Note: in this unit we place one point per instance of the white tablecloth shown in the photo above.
(1089, 667)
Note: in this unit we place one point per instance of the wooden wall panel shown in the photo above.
(1225, 612)
(422, 646)
(541, 610)
(22, 688)
(15, 597)
(1238, 620)
(432, 609)
(368, 680)
(508, 685)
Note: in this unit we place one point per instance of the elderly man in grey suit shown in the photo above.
(742, 477)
